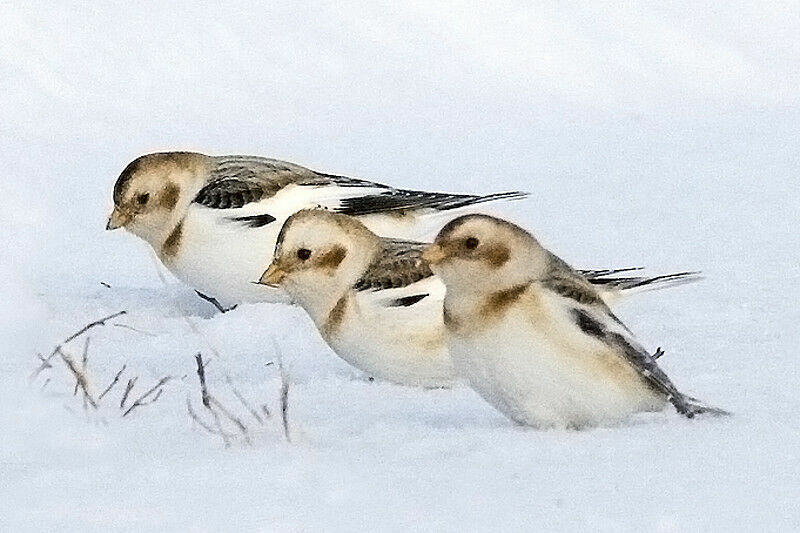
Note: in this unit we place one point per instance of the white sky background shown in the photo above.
(468, 96)
(656, 133)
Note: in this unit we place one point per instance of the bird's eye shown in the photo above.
(303, 254)
(143, 198)
(471, 243)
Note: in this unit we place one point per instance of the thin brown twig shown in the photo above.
(131, 328)
(233, 418)
(143, 399)
(113, 382)
(284, 392)
(84, 329)
(84, 362)
(80, 376)
(219, 431)
(201, 373)
(128, 388)
(244, 402)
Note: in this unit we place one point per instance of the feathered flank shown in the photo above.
(537, 340)
(398, 264)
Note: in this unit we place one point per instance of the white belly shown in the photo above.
(222, 259)
(535, 378)
(404, 345)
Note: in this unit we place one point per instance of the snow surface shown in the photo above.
(663, 134)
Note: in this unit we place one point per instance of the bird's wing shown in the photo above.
(239, 180)
(398, 264)
(611, 280)
(593, 317)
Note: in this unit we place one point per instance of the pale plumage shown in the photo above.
(374, 300)
(535, 339)
(213, 220)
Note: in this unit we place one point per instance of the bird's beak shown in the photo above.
(434, 254)
(118, 219)
(273, 276)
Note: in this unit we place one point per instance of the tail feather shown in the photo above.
(691, 407)
(607, 280)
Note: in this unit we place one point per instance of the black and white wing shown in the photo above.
(594, 318)
(399, 264)
(241, 180)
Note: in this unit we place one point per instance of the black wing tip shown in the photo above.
(609, 279)
(458, 201)
(692, 407)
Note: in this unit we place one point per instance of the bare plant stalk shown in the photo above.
(156, 389)
(233, 418)
(244, 402)
(126, 326)
(80, 376)
(201, 373)
(219, 431)
(128, 388)
(113, 382)
(284, 392)
(84, 329)
(84, 362)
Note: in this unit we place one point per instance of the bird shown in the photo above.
(213, 220)
(535, 339)
(374, 300)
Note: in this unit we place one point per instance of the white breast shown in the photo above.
(546, 373)
(400, 344)
(222, 258)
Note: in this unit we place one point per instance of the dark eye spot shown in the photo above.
(303, 254)
(143, 198)
(471, 243)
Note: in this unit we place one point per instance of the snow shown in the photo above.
(663, 135)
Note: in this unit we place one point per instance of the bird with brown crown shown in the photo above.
(535, 339)
(213, 220)
(374, 300)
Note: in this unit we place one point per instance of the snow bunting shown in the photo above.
(535, 339)
(375, 300)
(213, 220)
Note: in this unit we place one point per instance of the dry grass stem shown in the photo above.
(244, 402)
(46, 360)
(146, 399)
(113, 382)
(79, 374)
(128, 388)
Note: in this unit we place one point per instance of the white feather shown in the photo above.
(548, 373)
(400, 344)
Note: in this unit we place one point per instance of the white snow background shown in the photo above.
(662, 134)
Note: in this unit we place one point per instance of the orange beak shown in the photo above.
(434, 254)
(118, 219)
(273, 276)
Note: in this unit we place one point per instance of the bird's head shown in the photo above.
(480, 253)
(152, 189)
(319, 255)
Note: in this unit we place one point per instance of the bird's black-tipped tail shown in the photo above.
(691, 407)
(393, 200)
(608, 279)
